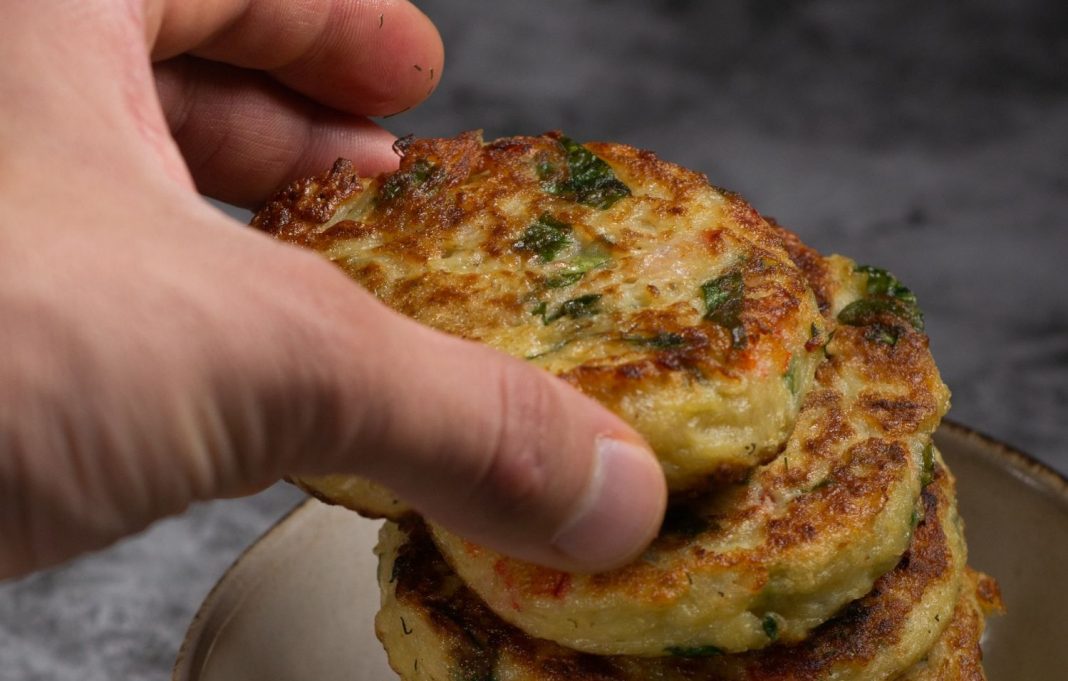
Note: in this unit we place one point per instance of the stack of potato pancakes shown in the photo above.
(812, 531)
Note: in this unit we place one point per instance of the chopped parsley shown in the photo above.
(546, 236)
(771, 627)
(723, 298)
(400, 182)
(590, 181)
(661, 341)
(882, 283)
(565, 278)
(792, 379)
(591, 257)
(883, 295)
(576, 308)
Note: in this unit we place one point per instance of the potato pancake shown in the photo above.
(673, 303)
(434, 627)
(957, 656)
(807, 533)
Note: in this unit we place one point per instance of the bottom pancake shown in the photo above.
(435, 628)
(956, 656)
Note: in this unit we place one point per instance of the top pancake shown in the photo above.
(673, 303)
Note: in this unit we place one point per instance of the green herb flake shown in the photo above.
(696, 651)
(793, 381)
(546, 236)
(771, 627)
(591, 257)
(927, 472)
(881, 333)
(590, 181)
(555, 347)
(882, 283)
(883, 294)
(400, 182)
(566, 278)
(723, 298)
(661, 341)
(576, 308)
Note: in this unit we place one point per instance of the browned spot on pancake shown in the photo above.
(832, 427)
(714, 240)
(853, 492)
(302, 207)
(917, 397)
(897, 416)
(766, 306)
(811, 263)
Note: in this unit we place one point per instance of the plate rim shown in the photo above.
(193, 651)
(1016, 457)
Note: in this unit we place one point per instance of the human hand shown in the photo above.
(157, 353)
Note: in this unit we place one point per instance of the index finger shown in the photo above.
(368, 57)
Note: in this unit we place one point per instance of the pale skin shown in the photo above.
(155, 352)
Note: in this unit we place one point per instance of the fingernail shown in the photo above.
(622, 510)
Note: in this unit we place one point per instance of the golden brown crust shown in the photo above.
(297, 211)
(811, 263)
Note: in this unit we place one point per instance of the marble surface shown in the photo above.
(929, 138)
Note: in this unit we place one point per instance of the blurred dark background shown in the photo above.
(929, 138)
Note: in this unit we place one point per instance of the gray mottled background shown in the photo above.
(930, 138)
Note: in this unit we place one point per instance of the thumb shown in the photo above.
(498, 451)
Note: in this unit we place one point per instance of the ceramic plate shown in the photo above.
(300, 603)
